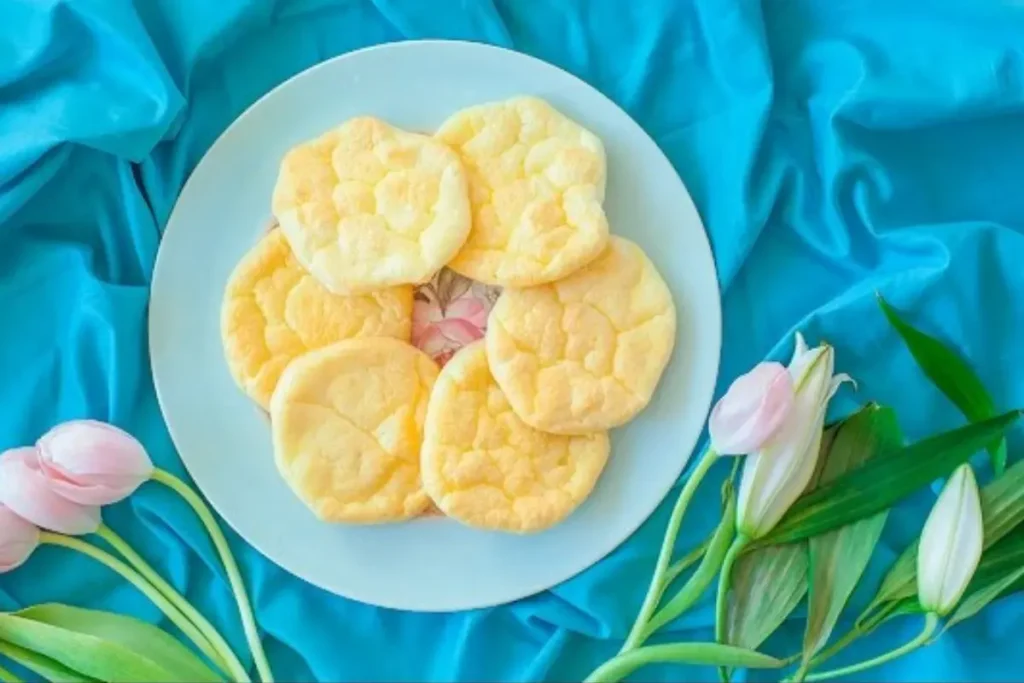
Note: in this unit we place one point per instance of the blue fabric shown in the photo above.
(832, 148)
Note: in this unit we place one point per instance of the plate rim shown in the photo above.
(715, 326)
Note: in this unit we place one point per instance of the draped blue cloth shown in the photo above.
(832, 148)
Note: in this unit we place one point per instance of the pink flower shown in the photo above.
(439, 334)
(18, 539)
(93, 463)
(26, 491)
(752, 410)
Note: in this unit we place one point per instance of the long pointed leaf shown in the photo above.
(42, 666)
(1002, 508)
(1007, 554)
(138, 636)
(85, 654)
(767, 585)
(838, 558)
(976, 601)
(1001, 567)
(883, 482)
(1002, 503)
(951, 375)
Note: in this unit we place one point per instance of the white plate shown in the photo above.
(224, 440)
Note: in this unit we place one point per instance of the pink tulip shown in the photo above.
(93, 463)
(752, 410)
(25, 490)
(18, 538)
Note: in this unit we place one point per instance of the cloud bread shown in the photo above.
(347, 423)
(486, 468)
(367, 205)
(586, 353)
(273, 311)
(537, 183)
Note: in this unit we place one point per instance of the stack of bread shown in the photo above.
(511, 433)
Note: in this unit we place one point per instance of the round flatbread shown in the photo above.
(367, 205)
(273, 311)
(347, 422)
(537, 182)
(486, 468)
(586, 353)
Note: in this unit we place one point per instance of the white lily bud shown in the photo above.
(951, 543)
(776, 475)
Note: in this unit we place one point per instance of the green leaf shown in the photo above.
(901, 580)
(952, 376)
(1002, 508)
(838, 558)
(1002, 503)
(882, 482)
(138, 636)
(1007, 554)
(1001, 567)
(89, 654)
(767, 585)
(976, 601)
(40, 665)
(706, 654)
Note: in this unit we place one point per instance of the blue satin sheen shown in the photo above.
(832, 148)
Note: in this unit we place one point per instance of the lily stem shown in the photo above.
(620, 666)
(252, 634)
(931, 621)
(860, 629)
(657, 586)
(195, 634)
(722, 599)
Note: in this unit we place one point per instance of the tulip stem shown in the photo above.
(7, 677)
(194, 633)
(227, 658)
(717, 547)
(684, 563)
(252, 634)
(658, 582)
(722, 599)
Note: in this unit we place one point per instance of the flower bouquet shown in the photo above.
(809, 507)
(52, 493)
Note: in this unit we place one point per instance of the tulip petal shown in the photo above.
(751, 410)
(25, 490)
(18, 539)
(951, 543)
(93, 463)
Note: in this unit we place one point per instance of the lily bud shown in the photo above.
(25, 490)
(752, 410)
(951, 544)
(18, 538)
(776, 474)
(93, 463)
